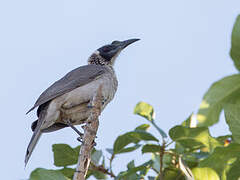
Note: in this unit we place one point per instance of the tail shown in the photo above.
(35, 137)
(36, 127)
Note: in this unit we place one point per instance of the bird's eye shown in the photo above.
(106, 49)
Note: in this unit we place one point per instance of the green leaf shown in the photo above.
(221, 157)
(99, 175)
(96, 174)
(131, 172)
(129, 149)
(200, 155)
(64, 155)
(67, 172)
(128, 174)
(185, 169)
(145, 110)
(234, 171)
(190, 160)
(143, 135)
(151, 178)
(179, 149)
(135, 172)
(167, 161)
(45, 174)
(148, 165)
(151, 148)
(172, 174)
(187, 122)
(205, 173)
(131, 137)
(124, 140)
(131, 164)
(232, 116)
(193, 138)
(235, 49)
(143, 127)
(96, 156)
(220, 92)
(77, 149)
(156, 162)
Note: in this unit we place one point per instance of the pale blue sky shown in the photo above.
(184, 48)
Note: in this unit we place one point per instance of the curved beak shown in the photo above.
(126, 43)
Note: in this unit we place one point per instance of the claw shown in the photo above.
(80, 139)
(103, 100)
(94, 144)
(89, 105)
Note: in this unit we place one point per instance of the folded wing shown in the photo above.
(74, 79)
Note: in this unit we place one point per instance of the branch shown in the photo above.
(90, 131)
(161, 154)
(102, 169)
(161, 158)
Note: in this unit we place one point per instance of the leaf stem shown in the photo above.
(162, 133)
(169, 143)
(156, 171)
(112, 157)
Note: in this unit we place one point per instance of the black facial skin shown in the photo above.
(109, 51)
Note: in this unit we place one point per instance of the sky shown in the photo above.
(184, 48)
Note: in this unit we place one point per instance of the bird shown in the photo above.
(67, 101)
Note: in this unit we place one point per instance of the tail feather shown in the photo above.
(36, 127)
(35, 137)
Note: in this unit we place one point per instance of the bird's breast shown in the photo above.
(85, 93)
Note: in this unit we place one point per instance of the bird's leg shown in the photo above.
(69, 123)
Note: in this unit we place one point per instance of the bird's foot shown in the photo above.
(89, 105)
(69, 123)
(104, 100)
(94, 144)
(80, 139)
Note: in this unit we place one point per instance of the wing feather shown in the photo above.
(74, 79)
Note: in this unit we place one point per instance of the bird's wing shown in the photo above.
(76, 78)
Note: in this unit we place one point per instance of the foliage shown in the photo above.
(188, 153)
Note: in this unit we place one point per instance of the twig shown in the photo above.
(101, 169)
(156, 171)
(169, 143)
(162, 151)
(90, 131)
(112, 157)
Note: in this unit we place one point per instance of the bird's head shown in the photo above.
(106, 55)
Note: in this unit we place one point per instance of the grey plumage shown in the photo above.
(77, 77)
(74, 79)
(68, 98)
(36, 135)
